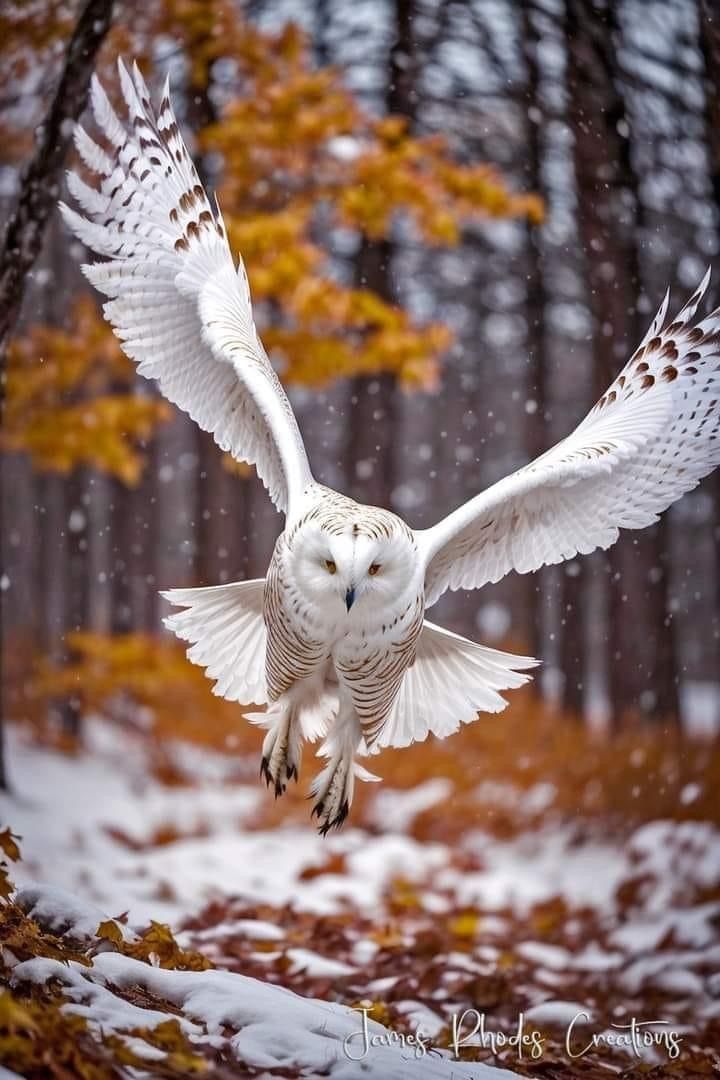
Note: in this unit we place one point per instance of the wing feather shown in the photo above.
(175, 299)
(226, 631)
(652, 436)
(451, 681)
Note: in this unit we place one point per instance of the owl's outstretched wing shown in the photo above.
(180, 308)
(451, 681)
(651, 437)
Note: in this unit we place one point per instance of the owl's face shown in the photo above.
(352, 573)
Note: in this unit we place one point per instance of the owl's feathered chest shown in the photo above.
(370, 649)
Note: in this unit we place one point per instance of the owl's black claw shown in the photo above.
(330, 823)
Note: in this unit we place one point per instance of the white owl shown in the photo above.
(334, 640)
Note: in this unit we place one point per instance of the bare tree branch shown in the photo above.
(39, 189)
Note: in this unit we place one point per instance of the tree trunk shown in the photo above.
(40, 183)
(709, 20)
(537, 436)
(369, 457)
(222, 500)
(642, 670)
(133, 524)
(76, 581)
(370, 463)
(39, 188)
(25, 229)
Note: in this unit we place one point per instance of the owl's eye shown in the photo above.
(330, 566)
(372, 570)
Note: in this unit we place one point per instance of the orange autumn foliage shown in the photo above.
(137, 675)
(301, 159)
(329, 159)
(70, 399)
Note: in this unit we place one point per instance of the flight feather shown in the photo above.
(176, 301)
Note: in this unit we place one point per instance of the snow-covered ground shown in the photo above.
(88, 825)
(624, 923)
(264, 1026)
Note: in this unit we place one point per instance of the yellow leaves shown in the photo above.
(155, 674)
(157, 946)
(98, 432)
(548, 916)
(261, 236)
(27, 1051)
(14, 1016)
(404, 895)
(400, 173)
(479, 188)
(288, 116)
(388, 937)
(110, 931)
(464, 925)
(139, 664)
(24, 938)
(10, 849)
(300, 158)
(9, 845)
(329, 331)
(39, 1038)
(70, 400)
(313, 359)
(283, 164)
(28, 1029)
(390, 130)
(379, 1011)
(180, 1057)
(47, 362)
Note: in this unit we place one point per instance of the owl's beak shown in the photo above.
(349, 598)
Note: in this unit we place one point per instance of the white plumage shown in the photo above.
(333, 641)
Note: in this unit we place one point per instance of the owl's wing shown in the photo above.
(180, 308)
(225, 628)
(451, 682)
(651, 437)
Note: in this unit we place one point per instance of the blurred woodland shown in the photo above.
(458, 218)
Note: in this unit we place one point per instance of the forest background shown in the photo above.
(458, 219)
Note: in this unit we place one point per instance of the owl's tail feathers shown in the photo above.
(451, 681)
(314, 707)
(224, 625)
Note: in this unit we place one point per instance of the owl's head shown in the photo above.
(369, 563)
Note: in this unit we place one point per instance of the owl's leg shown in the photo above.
(334, 786)
(282, 747)
(287, 724)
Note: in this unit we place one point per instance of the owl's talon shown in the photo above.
(331, 823)
(281, 751)
(334, 786)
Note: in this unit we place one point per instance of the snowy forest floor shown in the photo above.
(519, 868)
